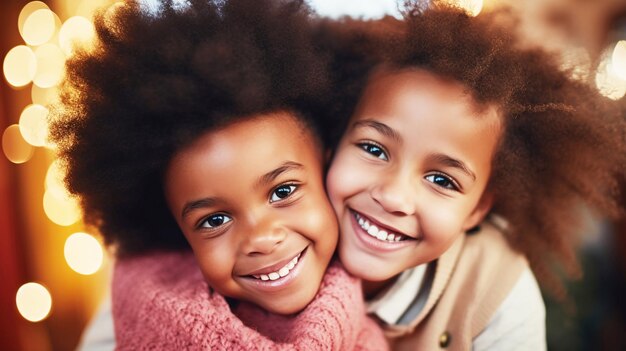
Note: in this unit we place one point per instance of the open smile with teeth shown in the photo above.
(282, 272)
(378, 233)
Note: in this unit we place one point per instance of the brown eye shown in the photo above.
(442, 181)
(374, 150)
(215, 220)
(282, 192)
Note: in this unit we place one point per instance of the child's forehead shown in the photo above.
(412, 87)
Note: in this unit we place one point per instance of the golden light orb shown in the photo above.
(20, 66)
(44, 96)
(607, 81)
(50, 65)
(618, 59)
(54, 180)
(83, 253)
(26, 11)
(39, 27)
(33, 124)
(15, 148)
(473, 7)
(75, 31)
(33, 302)
(61, 209)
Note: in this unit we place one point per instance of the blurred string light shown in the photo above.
(15, 148)
(33, 125)
(27, 10)
(33, 301)
(39, 27)
(76, 30)
(83, 253)
(619, 59)
(62, 209)
(20, 66)
(44, 96)
(473, 7)
(50, 65)
(608, 77)
(41, 62)
(54, 179)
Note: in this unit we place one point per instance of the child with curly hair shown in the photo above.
(195, 127)
(467, 158)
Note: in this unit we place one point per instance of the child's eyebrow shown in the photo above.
(453, 162)
(263, 180)
(380, 127)
(196, 204)
(268, 177)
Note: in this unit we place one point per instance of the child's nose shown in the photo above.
(263, 239)
(395, 194)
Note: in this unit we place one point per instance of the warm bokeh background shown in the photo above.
(54, 272)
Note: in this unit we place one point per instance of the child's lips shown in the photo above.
(273, 281)
(288, 264)
(398, 235)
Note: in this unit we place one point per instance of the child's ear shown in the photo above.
(480, 211)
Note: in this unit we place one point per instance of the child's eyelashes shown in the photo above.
(442, 181)
(283, 192)
(214, 221)
(374, 149)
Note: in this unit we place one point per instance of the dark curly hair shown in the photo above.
(155, 81)
(563, 146)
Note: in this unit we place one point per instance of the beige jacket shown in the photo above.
(471, 280)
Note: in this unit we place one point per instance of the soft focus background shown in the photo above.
(54, 273)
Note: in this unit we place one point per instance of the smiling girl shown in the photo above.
(195, 128)
(461, 124)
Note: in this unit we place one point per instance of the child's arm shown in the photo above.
(161, 301)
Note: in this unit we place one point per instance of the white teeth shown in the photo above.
(382, 235)
(375, 232)
(284, 271)
(274, 276)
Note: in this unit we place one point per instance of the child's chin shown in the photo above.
(363, 269)
(287, 306)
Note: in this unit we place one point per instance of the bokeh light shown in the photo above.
(61, 209)
(27, 10)
(33, 301)
(83, 253)
(607, 81)
(54, 179)
(15, 148)
(619, 59)
(50, 65)
(20, 66)
(39, 27)
(33, 124)
(44, 96)
(76, 30)
(473, 7)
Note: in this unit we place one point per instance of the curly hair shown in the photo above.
(563, 146)
(155, 82)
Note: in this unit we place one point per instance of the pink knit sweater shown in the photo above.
(161, 302)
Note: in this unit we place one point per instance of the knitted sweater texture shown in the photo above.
(161, 302)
